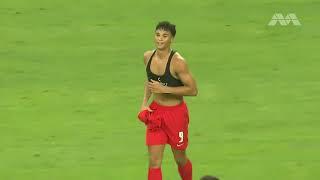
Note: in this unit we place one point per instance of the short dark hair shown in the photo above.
(167, 26)
(209, 178)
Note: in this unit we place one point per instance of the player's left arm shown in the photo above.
(181, 69)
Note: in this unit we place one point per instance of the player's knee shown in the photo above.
(155, 162)
(181, 160)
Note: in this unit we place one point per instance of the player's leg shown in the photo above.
(180, 156)
(155, 155)
(155, 160)
(176, 127)
(183, 162)
(156, 139)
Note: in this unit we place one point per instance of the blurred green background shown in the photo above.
(71, 85)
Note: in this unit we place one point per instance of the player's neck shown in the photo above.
(163, 53)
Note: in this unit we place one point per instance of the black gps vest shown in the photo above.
(166, 79)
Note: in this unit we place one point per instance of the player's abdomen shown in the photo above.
(167, 99)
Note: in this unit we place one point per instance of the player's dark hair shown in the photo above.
(209, 178)
(167, 26)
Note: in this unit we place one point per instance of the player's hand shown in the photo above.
(145, 108)
(156, 87)
(144, 114)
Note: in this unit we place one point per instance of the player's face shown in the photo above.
(162, 39)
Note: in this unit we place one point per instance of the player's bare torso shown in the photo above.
(158, 67)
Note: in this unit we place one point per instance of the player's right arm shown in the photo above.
(147, 91)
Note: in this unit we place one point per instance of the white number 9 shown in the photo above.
(181, 136)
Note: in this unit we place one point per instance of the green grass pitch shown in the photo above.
(71, 84)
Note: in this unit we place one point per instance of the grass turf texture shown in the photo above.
(71, 83)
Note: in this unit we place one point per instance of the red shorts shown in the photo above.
(172, 121)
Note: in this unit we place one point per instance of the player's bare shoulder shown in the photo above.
(179, 63)
(146, 56)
